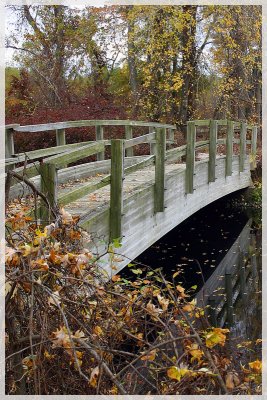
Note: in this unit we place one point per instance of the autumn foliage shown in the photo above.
(72, 330)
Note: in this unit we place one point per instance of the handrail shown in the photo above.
(83, 123)
(60, 156)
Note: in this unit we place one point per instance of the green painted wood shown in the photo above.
(99, 133)
(229, 148)
(152, 144)
(86, 189)
(229, 298)
(160, 169)
(203, 122)
(76, 154)
(129, 152)
(32, 155)
(60, 137)
(145, 163)
(212, 150)
(116, 188)
(139, 140)
(190, 157)
(176, 153)
(242, 151)
(48, 174)
(253, 147)
(9, 145)
(81, 123)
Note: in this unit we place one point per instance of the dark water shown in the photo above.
(199, 244)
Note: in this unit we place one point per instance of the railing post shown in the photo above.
(48, 173)
(9, 146)
(253, 148)
(129, 135)
(152, 144)
(116, 188)
(160, 154)
(229, 298)
(190, 157)
(60, 137)
(212, 149)
(229, 148)
(99, 133)
(242, 148)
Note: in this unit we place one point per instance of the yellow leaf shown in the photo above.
(181, 291)
(163, 302)
(116, 278)
(256, 366)
(177, 373)
(216, 336)
(98, 331)
(231, 380)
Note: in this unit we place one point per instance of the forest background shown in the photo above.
(154, 63)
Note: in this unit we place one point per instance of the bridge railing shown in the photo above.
(58, 157)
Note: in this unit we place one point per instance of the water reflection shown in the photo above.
(216, 250)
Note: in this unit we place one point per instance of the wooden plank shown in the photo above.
(99, 133)
(212, 150)
(60, 137)
(190, 157)
(129, 152)
(176, 153)
(86, 189)
(76, 124)
(76, 154)
(48, 174)
(34, 154)
(160, 170)
(203, 122)
(170, 134)
(253, 147)
(133, 168)
(139, 140)
(116, 188)
(153, 143)
(229, 148)
(243, 146)
(9, 145)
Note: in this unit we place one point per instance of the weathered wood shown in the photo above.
(9, 145)
(201, 122)
(153, 143)
(129, 152)
(133, 168)
(170, 135)
(253, 147)
(48, 174)
(60, 137)
(99, 134)
(76, 154)
(229, 298)
(76, 124)
(116, 188)
(190, 157)
(34, 154)
(242, 149)
(229, 148)
(212, 150)
(176, 153)
(139, 140)
(76, 194)
(160, 169)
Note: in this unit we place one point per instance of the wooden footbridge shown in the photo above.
(134, 200)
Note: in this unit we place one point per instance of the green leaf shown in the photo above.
(137, 271)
